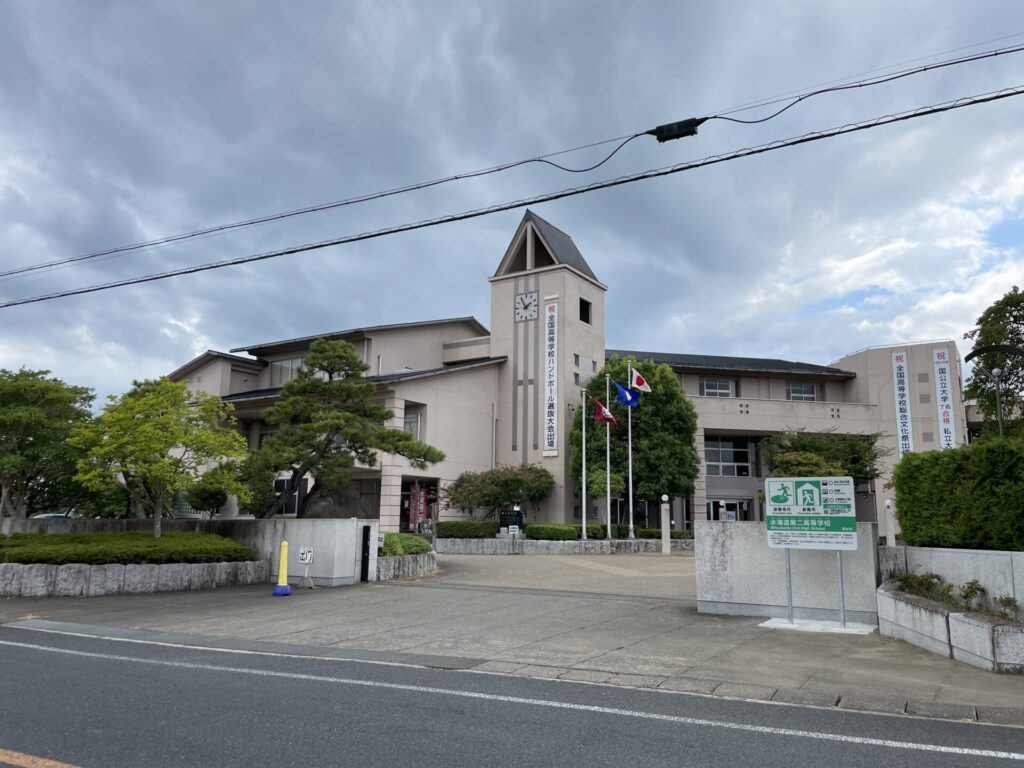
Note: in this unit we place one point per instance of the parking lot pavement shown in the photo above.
(623, 619)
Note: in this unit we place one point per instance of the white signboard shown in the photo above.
(551, 378)
(513, 529)
(810, 513)
(901, 386)
(306, 555)
(944, 398)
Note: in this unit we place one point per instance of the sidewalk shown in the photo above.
(622, 620)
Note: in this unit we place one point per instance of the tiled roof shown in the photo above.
(479, 329)
(721, 363)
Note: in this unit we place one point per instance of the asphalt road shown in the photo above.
(87, 701)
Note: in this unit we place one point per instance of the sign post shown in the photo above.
(811, 513)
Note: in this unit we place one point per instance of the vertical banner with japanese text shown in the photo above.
(551, 379)
(944, 398)
(901, 386)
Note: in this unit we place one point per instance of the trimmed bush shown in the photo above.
(125, 548)
(655, 533)
(970, 497)
(396, 544)
(552, 532)
(468, 529)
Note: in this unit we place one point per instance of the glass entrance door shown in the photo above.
(729, 510)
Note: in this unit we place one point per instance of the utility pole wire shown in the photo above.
(772, 146)
(540, 159)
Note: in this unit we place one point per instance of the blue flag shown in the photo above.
(625, 396)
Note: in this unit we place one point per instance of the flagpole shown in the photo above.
(583, 499)
(608, 458)
(629, 422)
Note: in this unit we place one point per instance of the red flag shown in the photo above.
(603, 414)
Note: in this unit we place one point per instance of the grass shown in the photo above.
(125, 548)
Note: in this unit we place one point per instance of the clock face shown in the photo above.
(526, 307)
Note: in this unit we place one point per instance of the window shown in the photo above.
(576, 379)
(411, 422)
(728, 456)
(576, 360)
(283, 371)
(797, 390)
(585, 311)
(718, 388)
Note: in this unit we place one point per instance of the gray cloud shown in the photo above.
(121, 122)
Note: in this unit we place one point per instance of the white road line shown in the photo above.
(761, 729)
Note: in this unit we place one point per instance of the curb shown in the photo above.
(986, 715)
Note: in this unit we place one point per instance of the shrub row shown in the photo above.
(970, 497)
(468, 529)
(124, 548)
(558, 532)
(396, 544)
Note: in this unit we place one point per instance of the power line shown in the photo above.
(118, 250)
(869, 82)
(768, 101)
(876, 122)
(690, 124)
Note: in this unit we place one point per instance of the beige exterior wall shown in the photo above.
(874, 383)
(212, 378)
(458, 412)
(415, 348)
(520, 406)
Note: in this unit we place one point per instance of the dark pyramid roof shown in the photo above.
(561, 247)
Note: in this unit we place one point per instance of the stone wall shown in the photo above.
(79, 580)
(521, 546)
(739, 575)
(406, 566)
(336, 543)
(977, 639)
(1000, 573)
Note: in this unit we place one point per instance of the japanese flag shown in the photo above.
(636, 381)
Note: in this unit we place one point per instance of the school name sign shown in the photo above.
(810, 513)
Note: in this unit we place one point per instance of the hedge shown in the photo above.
(557, 532)
(126, 547)
(969, 498)
(403, 544)
(468, 529)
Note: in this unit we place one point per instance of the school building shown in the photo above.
(501, 394)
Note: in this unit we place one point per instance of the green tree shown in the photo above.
(208, 494)
(664, 424)
(37, 413)
(327, 423)
(1001, 323)
(804, 464)
(526, 485)
(156, 439)
(858, 456)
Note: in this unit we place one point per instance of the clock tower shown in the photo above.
(547, 318)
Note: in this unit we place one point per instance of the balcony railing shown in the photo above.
(755, 415)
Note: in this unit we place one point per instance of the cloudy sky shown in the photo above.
(125, 121)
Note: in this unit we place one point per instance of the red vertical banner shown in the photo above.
(417, 507)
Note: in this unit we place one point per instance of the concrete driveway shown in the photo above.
(622, 619)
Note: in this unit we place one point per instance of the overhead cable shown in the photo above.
(663, 133)
(772, 146)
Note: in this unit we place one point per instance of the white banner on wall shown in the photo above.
(901, 386)
(551, 378)
(944, 398)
